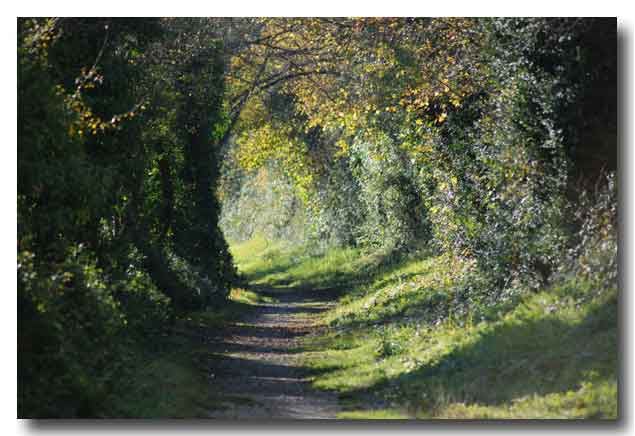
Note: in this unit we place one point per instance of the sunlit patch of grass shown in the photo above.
(536, 362)
(246, 296)
(327, 270)
(553, 356)
(373, 414)
(394, 346)
(397, 292)
(593, 400)
(275, 263)
(257, 256)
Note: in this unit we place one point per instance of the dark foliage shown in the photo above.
(117, 216)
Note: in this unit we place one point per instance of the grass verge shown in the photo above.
(167, 379)
(406, 340)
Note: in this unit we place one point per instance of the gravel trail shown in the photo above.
(257, 368)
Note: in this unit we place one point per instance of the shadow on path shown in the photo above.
(255, 365)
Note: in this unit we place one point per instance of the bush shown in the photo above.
(69, 324)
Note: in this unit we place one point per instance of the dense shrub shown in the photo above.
(393, 212)
(117, 218)
(69, 324)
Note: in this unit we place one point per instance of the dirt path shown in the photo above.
(258, 372)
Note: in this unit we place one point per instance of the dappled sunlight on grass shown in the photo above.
(275, 263)
(396, 347)
(373, 414)
(543, 358)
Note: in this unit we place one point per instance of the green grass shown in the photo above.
(393, 350)
(165, 386)
(275, 263)
(399, 345)
(373, 414)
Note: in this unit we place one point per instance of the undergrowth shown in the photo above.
(169, 378)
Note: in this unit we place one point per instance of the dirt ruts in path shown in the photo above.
(258, 372)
